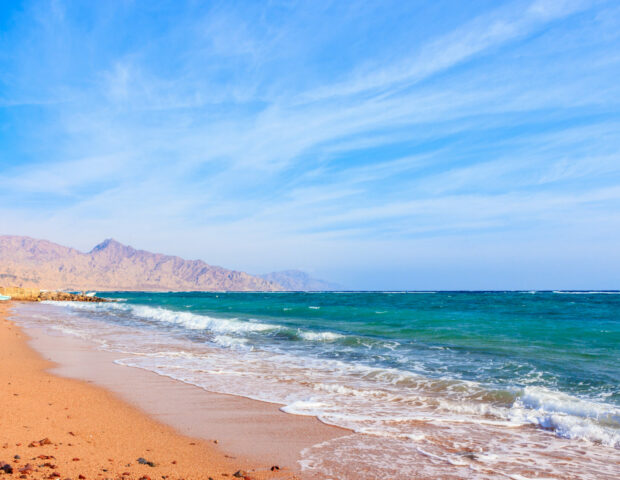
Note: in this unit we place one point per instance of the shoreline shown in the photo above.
(131, 413)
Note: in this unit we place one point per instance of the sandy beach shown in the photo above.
(56, 427)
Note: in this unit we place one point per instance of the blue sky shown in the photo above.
(379, 144)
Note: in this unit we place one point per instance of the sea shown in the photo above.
(519, 385)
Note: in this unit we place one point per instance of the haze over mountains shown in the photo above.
(28, 262)
(296, 280)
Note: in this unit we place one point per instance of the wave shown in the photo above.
(583, 292)
(195, 321)
(188, 320)
(320, 336)
(231, 342)
(568, 416)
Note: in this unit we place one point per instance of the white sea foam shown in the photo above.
(539, 398)
(320, 336)
(310, 408)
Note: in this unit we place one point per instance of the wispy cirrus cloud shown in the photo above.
(312, 135)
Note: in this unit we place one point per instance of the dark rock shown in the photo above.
(468, 454)
(239, 474)
(274, 468)
(6, 468)
(16, 457)
(144, 461)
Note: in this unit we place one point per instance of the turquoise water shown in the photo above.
(565, 341)
(512, 376)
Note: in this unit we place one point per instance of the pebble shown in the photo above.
(39, 443)
(144, 461)
(26, 469)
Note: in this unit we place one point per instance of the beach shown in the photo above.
(56, 427)
(332, 385)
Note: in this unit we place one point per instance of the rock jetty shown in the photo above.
(35, 295)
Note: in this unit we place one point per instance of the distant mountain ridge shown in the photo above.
(28, 262)
(296, 280)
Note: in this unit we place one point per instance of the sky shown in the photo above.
(377, 144)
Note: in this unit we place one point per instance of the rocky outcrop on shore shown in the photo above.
(30, 263)
(35, 295)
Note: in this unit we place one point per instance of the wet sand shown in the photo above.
(102, 432)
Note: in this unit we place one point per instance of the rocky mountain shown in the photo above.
(296, 280)
(27, 262)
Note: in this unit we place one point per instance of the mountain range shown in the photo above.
(28, 262)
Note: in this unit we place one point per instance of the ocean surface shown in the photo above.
(439, 384)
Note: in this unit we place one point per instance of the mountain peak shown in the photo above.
(112, 247)
(103, 245)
